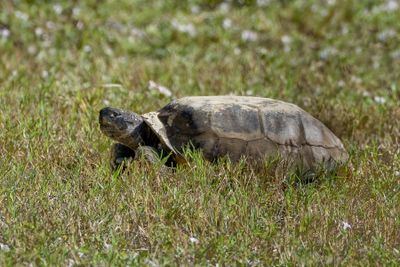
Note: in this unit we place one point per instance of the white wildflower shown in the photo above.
(327, 53)
(249, 92)
(249, 36)
(87, 48)
(395, 54)
(376, 64)
(39, 31)
(106, 102)
(263, 2)
(108, 51)
(331, 2)
(345, 30)
(195, 9)
(341, 83)
(58, 9)
(237, 51)
(79, 25)
(136, 32)
(286, 39)
(386, 34)
(380, 99)
(346, 225)
(80, 254)
(4, 247)
(263, 51)
(185, 28)
(107, 246)
(5, 33)
(227, 23)
(194, 240)
(31, 49)
(356, 79)
(224, 7)
(71, 263)
(21, 15)
(153, 86)
(152, 263)
(391, 6)
(76, 11)
(50, 25)
(366, 94)
(45, 74)
(397, 173)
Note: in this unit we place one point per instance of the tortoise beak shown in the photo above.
(107, 116)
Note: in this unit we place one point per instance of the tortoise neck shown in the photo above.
(148, 136)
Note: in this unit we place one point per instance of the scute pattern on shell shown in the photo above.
(248, 126)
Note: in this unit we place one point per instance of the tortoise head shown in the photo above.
(125, 127)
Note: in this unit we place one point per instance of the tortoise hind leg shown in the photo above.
(120, 155)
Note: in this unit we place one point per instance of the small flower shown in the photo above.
(224, 7)
(107, 246)
(161, 89)
(136, 32)
(76, 11)
(249, 36)
(379, 99)
(4, 247)
(4, 33)
(346, 225)
(39, 31)
(195, 9)
(87, 49)
(331, 2)
(391, 5)
(32, 49)
(286, 39)
(356, 79)
(45, 74)
(79, 25)
(341, 83)
(395, 54)
(249, 92)
(58, 9)
(194, 240)
(327, 53)
(263, 2)
(21, 15)
(237, 51)
(386, 34)
(185, 28)
(227, 23)
(71, 263)
(397, 173)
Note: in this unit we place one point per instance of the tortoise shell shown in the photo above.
(253, 127)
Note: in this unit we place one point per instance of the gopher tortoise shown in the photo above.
(234, 126)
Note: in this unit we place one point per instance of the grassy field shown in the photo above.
(62, 61)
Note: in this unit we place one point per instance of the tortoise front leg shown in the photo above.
(153, 156)
(148, 153)
(120, 155)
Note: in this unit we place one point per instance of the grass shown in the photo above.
(61, 62)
